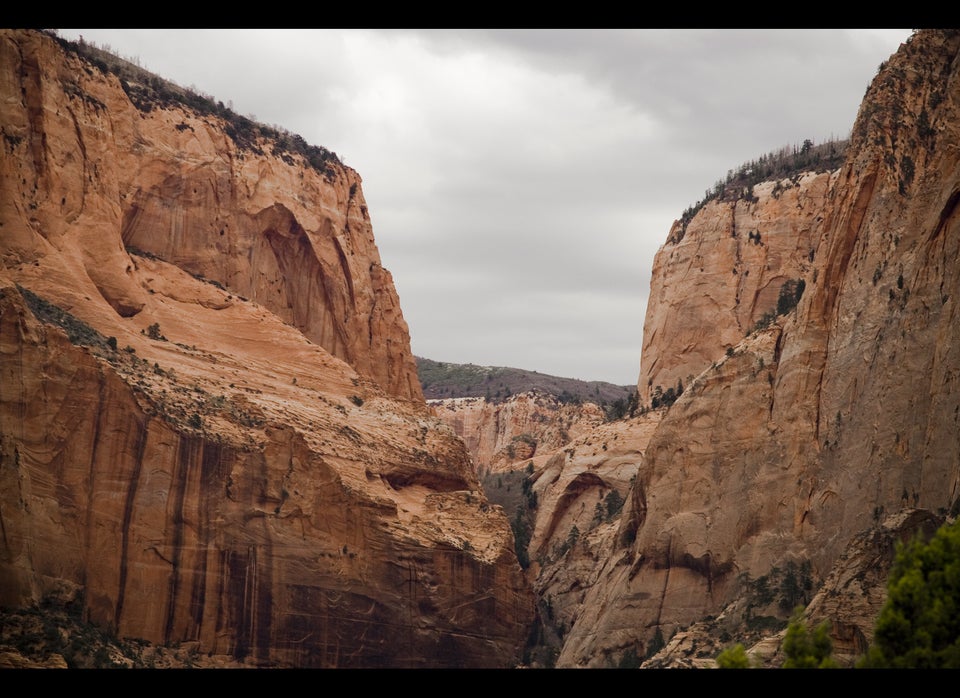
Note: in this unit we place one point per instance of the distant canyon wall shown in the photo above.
(505, 435)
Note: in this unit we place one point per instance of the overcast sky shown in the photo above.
(521, 181)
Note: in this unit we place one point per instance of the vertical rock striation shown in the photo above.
(211, 430)
(839, 413)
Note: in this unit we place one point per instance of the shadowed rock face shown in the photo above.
(246, 465)
(812, 431)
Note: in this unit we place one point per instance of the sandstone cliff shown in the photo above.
(189, 187)
(714, 281)
(806, 434)
(504, 435)
(194, 456)
(210, 426)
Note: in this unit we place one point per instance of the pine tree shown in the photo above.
(804, 650)
(919, 625)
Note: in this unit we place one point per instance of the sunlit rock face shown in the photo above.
(790, 441)
(211, 429)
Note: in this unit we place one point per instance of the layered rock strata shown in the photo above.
(505, 435)
(241, 461)
(839, 413)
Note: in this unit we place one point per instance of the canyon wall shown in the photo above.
(504, 435)
(211, 430)
(715, 278)
(791, 441)
(190, 187)
(210, 426)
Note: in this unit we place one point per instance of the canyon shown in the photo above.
(212, 433)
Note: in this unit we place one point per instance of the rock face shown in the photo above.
(183, 186)
(504, 435)
(713, 281)
(236, 461)
(849, 601)
(242, 461)
(839, 413)
(581, 490)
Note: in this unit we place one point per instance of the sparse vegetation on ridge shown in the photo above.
(441, 380)
(148, 91)
(776, 165)
(166, 394)
(621, 409)
(78, 332)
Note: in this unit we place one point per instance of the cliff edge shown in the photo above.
(211, 430)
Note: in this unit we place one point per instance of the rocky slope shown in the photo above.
(210, 426)
(789, 443)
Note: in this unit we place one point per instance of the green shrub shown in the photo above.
(733, 658)
(919, 625)
(614, 501)
(153, 332)
(790, 294)
(805, 650)
(521, 536)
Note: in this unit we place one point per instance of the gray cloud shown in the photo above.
(520, 181)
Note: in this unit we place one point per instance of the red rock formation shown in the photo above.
(711, 284)
(505, 435)
(193, 466)
(93, 176)
(810, 432)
